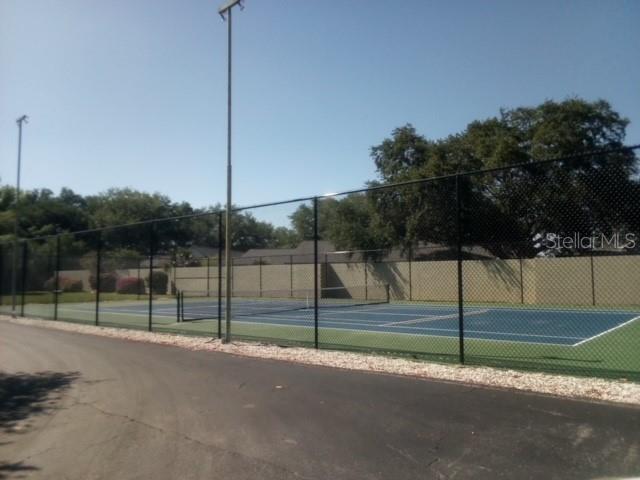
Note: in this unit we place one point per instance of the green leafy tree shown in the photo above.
(506, 210)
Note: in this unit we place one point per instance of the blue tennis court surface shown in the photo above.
(527, 325)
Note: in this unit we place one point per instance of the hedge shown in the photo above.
(130, 285)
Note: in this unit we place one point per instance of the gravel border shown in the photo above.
(618, 391)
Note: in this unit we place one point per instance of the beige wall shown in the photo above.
(491, 281)
(394, 274)
(246, 279)
(557, 281)
(434, 281)
(617, 280)
(82, 275)
(553, 281)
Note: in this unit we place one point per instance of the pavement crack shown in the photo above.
(185, 437)
(403, 453)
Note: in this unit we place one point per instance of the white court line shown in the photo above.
(541, 309)
(363, 323)
(605, 332)
(430, 318)
(334, 322)
(364, 330)
(328, 310)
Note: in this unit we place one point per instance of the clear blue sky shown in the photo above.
(133, 92)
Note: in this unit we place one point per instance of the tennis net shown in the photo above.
(202, 305)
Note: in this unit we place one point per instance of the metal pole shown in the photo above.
(98, 273)
(315, 270)
(291, 275)
(227, 234)
(151, 247)
(220, 275)
(14, 270)
(460, 284)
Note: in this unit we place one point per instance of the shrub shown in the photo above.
(130, 285)
(160, 280)
(65, 284)
(107, 282)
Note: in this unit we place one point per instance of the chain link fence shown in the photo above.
(533, 266)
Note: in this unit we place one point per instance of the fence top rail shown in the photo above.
(369, 188)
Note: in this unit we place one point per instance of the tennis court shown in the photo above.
(563, 327)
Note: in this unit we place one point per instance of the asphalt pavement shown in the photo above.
(76, 406)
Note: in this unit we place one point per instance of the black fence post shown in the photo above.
(56, 287)
(326, 270)
(315, 270)
(460, 283)
(291, 275)
(208, 276)
(410, 274)
(23, 279)
(365, 264)
(98, 274)
(151, 251)
(521, 281)
(220, 247)
(593, 280)
(139, 262)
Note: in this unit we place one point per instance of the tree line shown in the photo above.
(507, 211)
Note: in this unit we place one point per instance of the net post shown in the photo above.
(99, 274)
(459, 259)
(151, 248)
(56, 284)
(315, 271)
(23, 279)
(260, 275)
(220, 240)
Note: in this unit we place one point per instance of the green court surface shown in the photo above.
(612, 353)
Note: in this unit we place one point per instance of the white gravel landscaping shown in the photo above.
(618, 391)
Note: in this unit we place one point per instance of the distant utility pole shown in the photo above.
(225, 12)
(14, 269)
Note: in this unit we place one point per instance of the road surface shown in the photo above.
(84, 407)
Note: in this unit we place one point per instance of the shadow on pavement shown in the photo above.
(23, 396)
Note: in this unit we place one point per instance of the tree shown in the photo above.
(506, 210)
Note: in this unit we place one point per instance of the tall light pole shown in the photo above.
(225, 12)
(14, 268)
